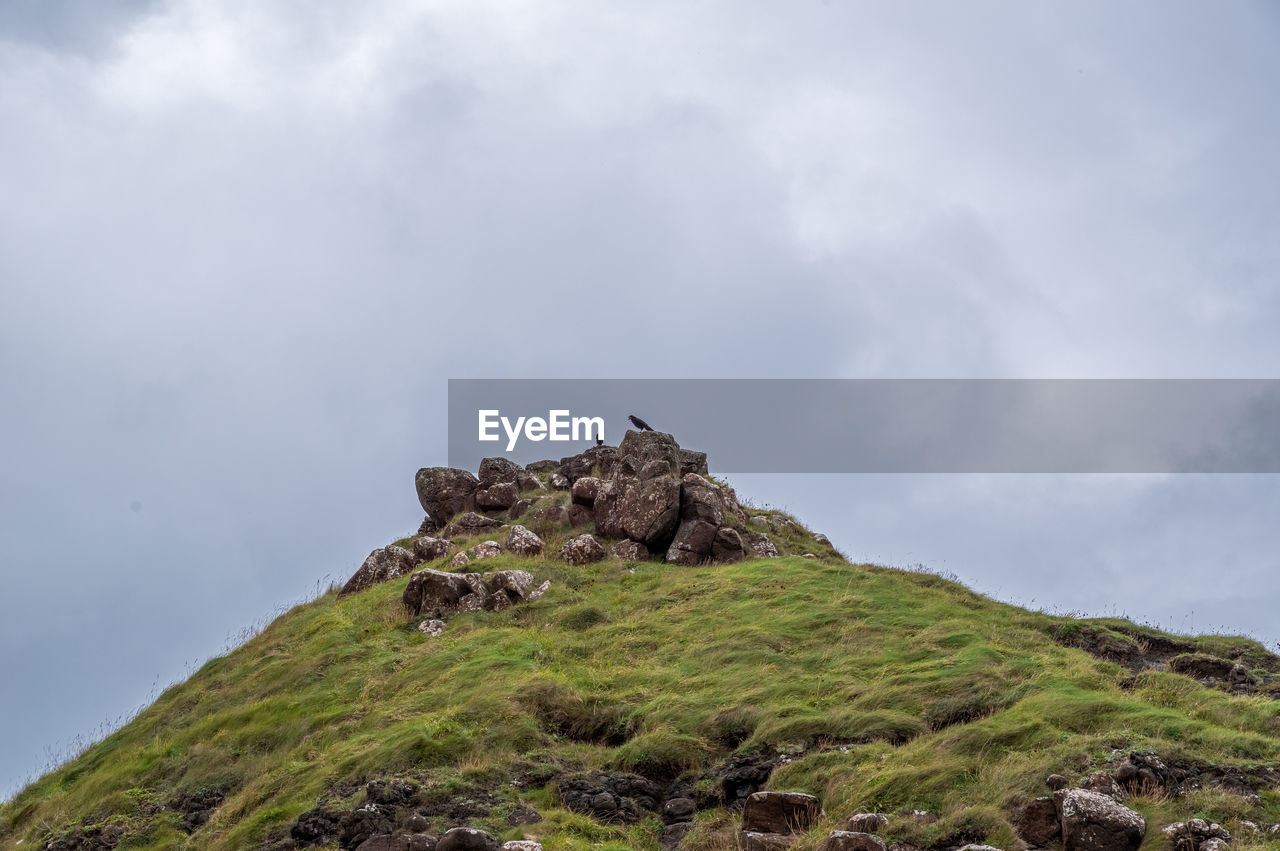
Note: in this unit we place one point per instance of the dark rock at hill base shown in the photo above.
(382, 564)
(780, 812)
(316, 827)
(400, 842)
(1037, 822)
(467, 839)
(359, 825)
(445, 491)
(613, 797)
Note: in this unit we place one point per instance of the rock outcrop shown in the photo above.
(438, 591)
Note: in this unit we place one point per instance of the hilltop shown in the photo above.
(612, 651)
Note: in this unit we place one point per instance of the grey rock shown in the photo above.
(629, 551)
(1092, 821)
(427, 548)
(1037, 822)
(584, 549)
(444, 491)
(381, 565)
(496, 470)
(692, 543)
(498, 496)
(523, 542)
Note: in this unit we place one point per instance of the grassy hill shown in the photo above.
(873, 688)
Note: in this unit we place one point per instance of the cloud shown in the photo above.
(243, 245)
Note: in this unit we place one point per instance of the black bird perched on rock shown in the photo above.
(599, 441)
(639, 423)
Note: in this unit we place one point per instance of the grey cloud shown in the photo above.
(233, 290)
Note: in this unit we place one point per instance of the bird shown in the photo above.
(599, 441)
(639, 423)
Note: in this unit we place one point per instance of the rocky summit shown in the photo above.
(614, 651)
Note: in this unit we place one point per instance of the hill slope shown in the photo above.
(872, 688)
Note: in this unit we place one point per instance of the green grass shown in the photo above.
(892, 689)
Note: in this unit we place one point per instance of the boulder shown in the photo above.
(692, 543)
(499, 470)
(1103, 783)
(650, 511)
(1092, 821)
(434, 589)
(522, 845)
(382, 564)
(518, 508)
(468, 839)
(727, 546)
(484, 550)
(444, 491)
(678, 810)
(852, 840)
(461, 559)
(1056, 782)
(431, 627)
(515, 585)
(584, 491)
(872, 822)
(559, 481)
(1037, 822)
(583, 549)
(543, 467)
(629, 551)
(522, 542)
(780, 812)
(427, 548)
(760, 545)
(498, 496)
(469, 523)
(673, 834)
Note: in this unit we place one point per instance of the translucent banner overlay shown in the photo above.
(886, 425)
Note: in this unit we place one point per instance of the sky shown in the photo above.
(244, 244)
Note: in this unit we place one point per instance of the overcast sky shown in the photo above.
(243, 245)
